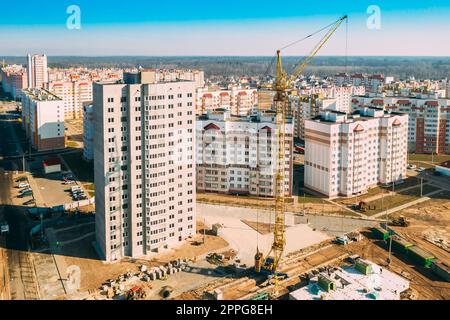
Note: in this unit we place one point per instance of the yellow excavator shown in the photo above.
(283, 83)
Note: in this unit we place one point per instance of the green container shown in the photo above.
(421, 256)
(380, 233)
(401, 245)
(363, 267)
(326, 284)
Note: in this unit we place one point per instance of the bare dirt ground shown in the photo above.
(311, 206)
(427, 285)
(262, 228)
(95, 272)
(429, 225)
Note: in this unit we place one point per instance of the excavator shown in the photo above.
(269, 264)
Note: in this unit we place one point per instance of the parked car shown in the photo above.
(411, 166)
(23, 185)
(26, 194)
(420, 169)
(69, 182)
(26, 190)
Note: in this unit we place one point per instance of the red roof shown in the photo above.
(404, 102)
(432, 103)
(377, 101)
(242, 93)
(207, 95)
(52, 162)
(211, 126)
(358, 128)
(266, 128)
(396, 122)
(222, 94)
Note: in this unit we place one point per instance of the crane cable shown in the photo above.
(300, 40)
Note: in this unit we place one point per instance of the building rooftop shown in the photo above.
(38, 94)
(349, 283)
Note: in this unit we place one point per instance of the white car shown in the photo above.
(69, 182)
(23, 185)
(420, 169)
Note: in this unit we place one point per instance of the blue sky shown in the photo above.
(150, 27)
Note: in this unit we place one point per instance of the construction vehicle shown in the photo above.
(136, 293)
(281, 86)
(400, 221)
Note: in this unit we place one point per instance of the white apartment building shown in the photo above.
(144, 166)
(43, 119)
(88, 132)
(37, 71)
(238, 154)
(73, 94)
(345, 155)
(239, 101)
(429, 120)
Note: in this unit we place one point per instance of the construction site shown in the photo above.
(282, 256)
(302, 247)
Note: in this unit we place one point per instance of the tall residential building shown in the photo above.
(88, 132)
(37, 71)
(345, 155)
(238, 155)
(74, 94)
(43, 119)
(14, 80)
(144, 138)
(429, 120)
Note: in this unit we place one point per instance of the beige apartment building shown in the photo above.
(144, 139)
(238, 154)
(346, 154)
(74, 94)
(239, 101)
(429, 120)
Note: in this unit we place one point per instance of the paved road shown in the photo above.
(21, 271)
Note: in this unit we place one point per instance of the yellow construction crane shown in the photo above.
(282, 84)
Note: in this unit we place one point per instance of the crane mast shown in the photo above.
(282, 83)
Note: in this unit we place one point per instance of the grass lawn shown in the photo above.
(413, 157)
(398, 199)
(82, 169)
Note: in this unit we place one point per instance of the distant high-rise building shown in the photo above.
(144, 141)
(37, 71)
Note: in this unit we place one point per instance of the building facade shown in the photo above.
(14, 80)
(346, 154)
(238, 155)
(37, 71)
(88, 132)
(43, 119)
(74, 94)
(144, 138)
(239, 101)
(429, 120)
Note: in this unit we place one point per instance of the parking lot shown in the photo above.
(48, 189)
